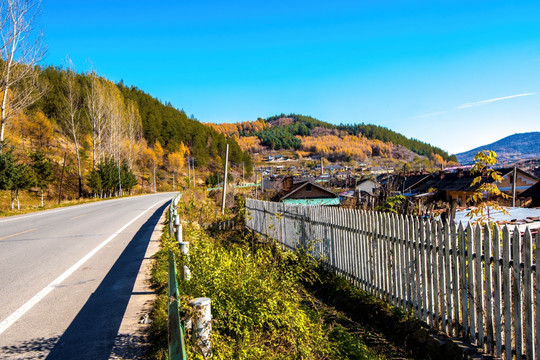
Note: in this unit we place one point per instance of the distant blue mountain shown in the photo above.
(509, 149)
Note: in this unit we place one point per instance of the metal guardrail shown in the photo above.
(200, 322)
(177, 348)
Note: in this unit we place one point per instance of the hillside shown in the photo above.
(509, 149)
(109, 137)
(308, 135)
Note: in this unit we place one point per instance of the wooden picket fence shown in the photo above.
(474, 282)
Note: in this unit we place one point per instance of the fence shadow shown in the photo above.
(93, 332)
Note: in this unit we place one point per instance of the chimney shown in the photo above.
(287, 184)
(460, 173)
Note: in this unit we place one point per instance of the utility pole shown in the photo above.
(188, 171)
(193, 170)
(224, 195)
(514, 175)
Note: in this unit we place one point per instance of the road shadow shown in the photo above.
(92, 333)
(31, 349)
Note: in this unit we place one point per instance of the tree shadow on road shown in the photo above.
(92, 333)
(31, 349)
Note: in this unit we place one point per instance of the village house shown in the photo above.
(367, 186)
(304, 192)
(456, 186)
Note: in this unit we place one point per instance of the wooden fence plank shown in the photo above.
(464, 296)
(436, 273)
(441, 276)
(380, 256)
(537, 294)
(363, 250)
(470, 284)
(372, 253)
(429, 271)
(528, 300)
(516, 293)
(352, 238)
(394, 260)
(479, 285)
(448, 313)
(497, 318)
(409, 269)
(507, 291)
(418, 269)
(423, 271)
(350, 242)
(455, 278)
(403, 262)
(384, 262)
(488, 288)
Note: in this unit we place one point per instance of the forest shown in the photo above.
(309, 135)
(111, 138)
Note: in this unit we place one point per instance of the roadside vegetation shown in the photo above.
(263, 306)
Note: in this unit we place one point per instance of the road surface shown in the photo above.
(66, 276)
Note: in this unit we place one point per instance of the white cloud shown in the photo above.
(430, 114)
(484, 102)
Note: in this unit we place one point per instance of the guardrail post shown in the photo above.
(184, 248)
(201, 323)
(177, 349)
(176, 226)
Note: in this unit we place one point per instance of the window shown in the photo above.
(308, 187)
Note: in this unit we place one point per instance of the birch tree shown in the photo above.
(95, 104)
(21, 49)
(133, 129)
(72, 120)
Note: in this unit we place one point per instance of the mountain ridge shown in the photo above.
(512, 148)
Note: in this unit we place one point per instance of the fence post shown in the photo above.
(178, 228)
(202, 324)
(184, 248)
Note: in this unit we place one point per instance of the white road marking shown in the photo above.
(11, 319)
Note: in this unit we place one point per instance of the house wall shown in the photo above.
(461, 196)
(523, 182)
(367, 186)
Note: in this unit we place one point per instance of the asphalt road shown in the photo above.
(66, 276)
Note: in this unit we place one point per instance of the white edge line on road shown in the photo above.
(11, 319)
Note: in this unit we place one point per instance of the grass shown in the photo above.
(260, 306)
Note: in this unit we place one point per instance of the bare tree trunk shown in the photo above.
(20, 51)
(154, 177)
(62, 179)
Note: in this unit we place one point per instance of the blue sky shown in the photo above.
(456, 74)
